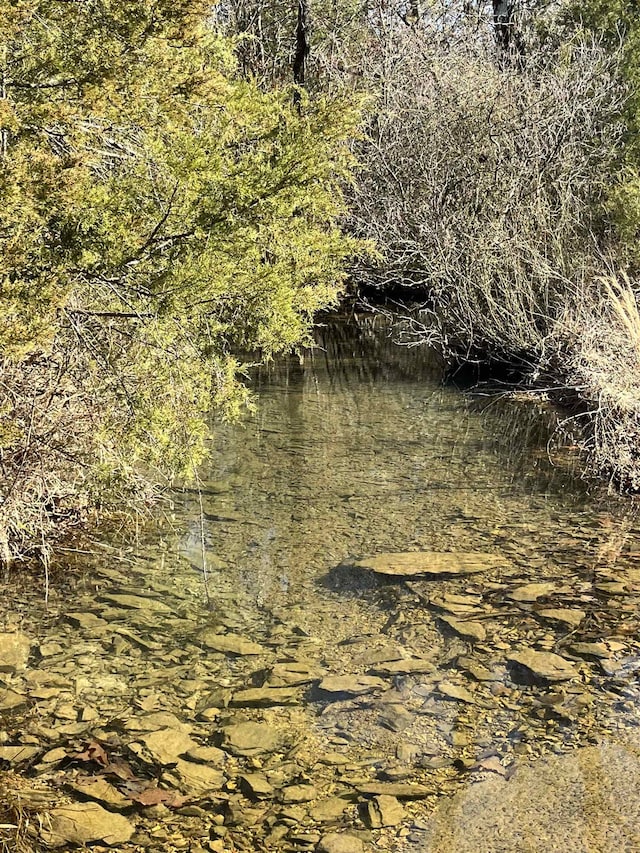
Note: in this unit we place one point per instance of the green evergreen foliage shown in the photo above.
(617, 25)
(158, 215)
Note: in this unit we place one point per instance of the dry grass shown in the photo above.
(24, 806)
(599, 337)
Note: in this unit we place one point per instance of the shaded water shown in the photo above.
(357, 450)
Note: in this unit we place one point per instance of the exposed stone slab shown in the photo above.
(412, 563)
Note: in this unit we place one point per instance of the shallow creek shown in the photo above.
(232, 655)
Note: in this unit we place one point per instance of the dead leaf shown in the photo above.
(93, 751)
(154, 796)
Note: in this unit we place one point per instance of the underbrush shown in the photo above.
(599, 359)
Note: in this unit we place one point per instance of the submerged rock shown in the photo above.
(18, 754)
(229, 644)
(340, 842)
(294, 673)
(298, 794)
(546, 665)
(255, 785)
(199, 778)
(410, 563)
(531, 592)
(329, 810)
(408, 666)
(351, 685)
(99, 789)
(14, 651)
(469, 630)
(264, 697)
(595, 650)
(166, 745)
(137, 602)
(12, 701)
(456, 691)
(383, 810)
(563, 614)
(83, 823)
(250, 739)
(400, 790)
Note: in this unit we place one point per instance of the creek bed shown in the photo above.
(227, 678)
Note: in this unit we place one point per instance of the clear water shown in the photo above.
(358, 449)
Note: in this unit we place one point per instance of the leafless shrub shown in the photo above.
(479, 185)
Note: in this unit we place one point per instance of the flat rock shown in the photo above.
(294, 673)
(206, 754)
(329, 810)
(456, 691)
(563, 614)
(351, 685)
(156, 721)
(250, 739)
(411, 563)
(11, 701)
(468, 630)
(383, 810)
(88, 622)
(395, 717)
(592, 650)
(229, 644)
(199, 778)
(255, 785)
(531, 592)
(298, 794)
(383, 655)
(264, 697)
(545, 665)
(14, 651)
(166, 745)
(137, 602)
(83, 823)
(408, 666)
(340, 842)
(587, 800)
(18, 754)
(100, 790)
(400, 790)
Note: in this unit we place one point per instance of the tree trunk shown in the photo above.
(504, 26)
(302, 50)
